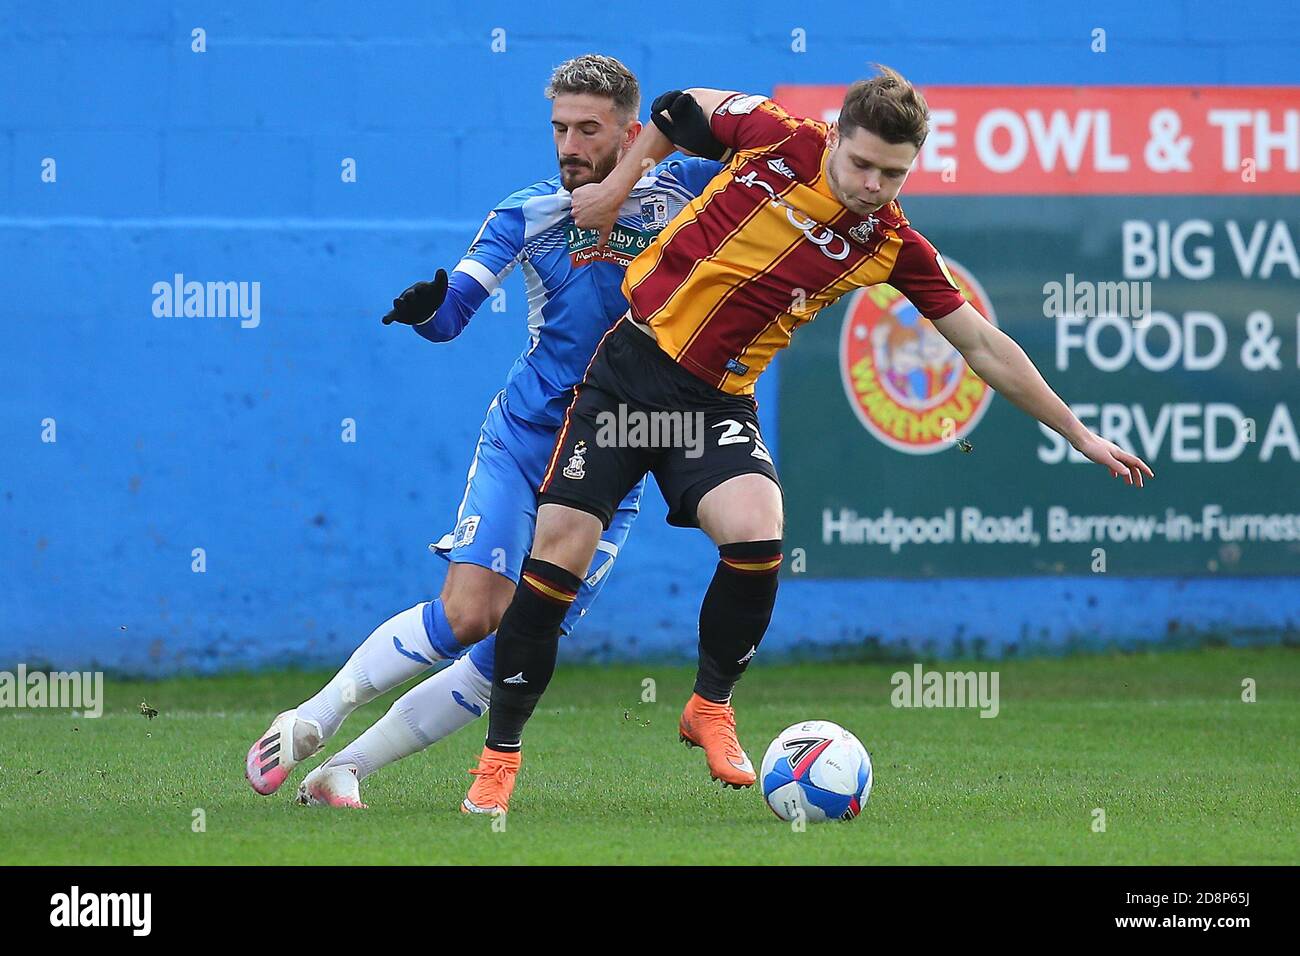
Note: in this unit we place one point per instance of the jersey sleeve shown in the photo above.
(491, 255)
(691, 174)
(751, 121)
(464, 296)
(498, 246)
(921, 274)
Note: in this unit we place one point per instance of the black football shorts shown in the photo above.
(638, 411)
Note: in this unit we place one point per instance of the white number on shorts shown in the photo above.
(760, 450)
(732, 436)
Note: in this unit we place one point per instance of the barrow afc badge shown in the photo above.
(654, 211)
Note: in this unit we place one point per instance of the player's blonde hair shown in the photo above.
(887, 105)
(599, 76)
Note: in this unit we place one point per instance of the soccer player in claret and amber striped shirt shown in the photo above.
(779, 235)
(802, 213)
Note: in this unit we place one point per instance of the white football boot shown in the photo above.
(287, 742)
(328, 786)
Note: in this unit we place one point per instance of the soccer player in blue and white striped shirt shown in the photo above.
(574, 296)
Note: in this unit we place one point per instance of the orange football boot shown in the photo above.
(713, 727)
(490, 793)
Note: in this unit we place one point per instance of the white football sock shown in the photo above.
(378, 665)
(422, 716)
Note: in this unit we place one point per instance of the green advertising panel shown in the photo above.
(1169, 324)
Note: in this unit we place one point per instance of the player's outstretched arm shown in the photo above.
(996, 358)
(440, 310)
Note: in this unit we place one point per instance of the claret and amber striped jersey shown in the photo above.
(765, 247)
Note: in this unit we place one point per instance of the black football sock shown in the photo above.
(735, 614)
(527, 641)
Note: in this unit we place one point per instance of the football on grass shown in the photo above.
(816, 769)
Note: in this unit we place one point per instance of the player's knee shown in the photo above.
(471, 617)
(760, 524)
(566, 537)
(745, 508)
(768, 527)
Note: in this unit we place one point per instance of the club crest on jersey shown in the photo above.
(654, 212)
(909, 387)
(863, 230)
(465, 531)
(576, 469)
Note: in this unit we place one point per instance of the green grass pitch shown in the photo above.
(1185, 771)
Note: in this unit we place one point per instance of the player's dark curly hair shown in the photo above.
(600, 76)
(888, 106)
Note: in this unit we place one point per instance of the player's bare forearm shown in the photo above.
(596, 205)
(996, 357)
(650, 148)
(1001, 362)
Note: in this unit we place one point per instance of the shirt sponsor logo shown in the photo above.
(831, 244)
(624, 245)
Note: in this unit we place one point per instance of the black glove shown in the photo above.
(686, 125)
(417, 304)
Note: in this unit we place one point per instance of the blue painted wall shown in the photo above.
(178, 433)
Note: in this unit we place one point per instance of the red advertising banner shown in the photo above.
(1140, 140)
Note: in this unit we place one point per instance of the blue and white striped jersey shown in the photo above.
(574, 290)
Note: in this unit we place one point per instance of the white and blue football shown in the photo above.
(816, 769)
